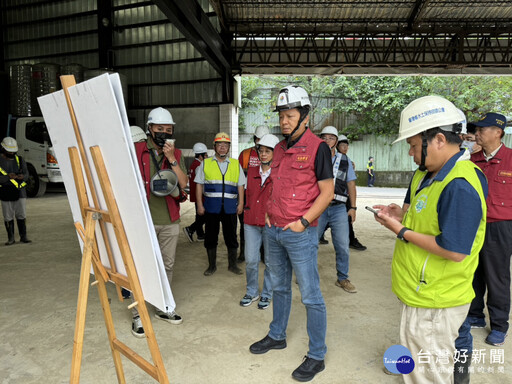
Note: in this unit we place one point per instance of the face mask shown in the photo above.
(10, 155)
(160, 137)
(468, 144)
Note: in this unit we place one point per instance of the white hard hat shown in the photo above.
(291, 97)
(10, 144)
(464, 122)
(261, 131)
(269, 141)
(329, 130)
(199, 148)
(160, 116)
(138, 134)
(342, 138)
(425, 113)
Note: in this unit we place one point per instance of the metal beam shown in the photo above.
(190, 19)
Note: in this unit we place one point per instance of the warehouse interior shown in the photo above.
(188, 56)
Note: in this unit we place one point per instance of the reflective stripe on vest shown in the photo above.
(16, 184)
(221, 190)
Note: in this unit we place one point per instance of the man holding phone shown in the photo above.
(434, 260)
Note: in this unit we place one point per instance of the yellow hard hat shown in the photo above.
(221, 137)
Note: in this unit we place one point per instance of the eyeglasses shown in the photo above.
(328, 138)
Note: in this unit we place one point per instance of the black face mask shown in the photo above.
(9, 155)
(160, 137)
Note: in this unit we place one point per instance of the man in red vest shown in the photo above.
(156, 156)
(303, 187)
(493, 272)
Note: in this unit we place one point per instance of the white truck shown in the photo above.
(35, 147)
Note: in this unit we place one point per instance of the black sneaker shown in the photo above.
(137, 329)
(266, 344)
(188, 234)
(357, 245)
(308, 369)
(170, 317)
(323, 241)
(200, 237)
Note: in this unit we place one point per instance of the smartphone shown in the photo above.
(372, 210)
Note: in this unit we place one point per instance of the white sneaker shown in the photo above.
(137, 329)
(170, 317)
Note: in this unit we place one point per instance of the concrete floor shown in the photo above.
(38, 292)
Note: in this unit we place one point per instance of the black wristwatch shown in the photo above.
(354, 208)
(400, 234)
(174, 163)
(304, 222)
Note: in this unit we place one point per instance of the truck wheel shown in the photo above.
(35, 186)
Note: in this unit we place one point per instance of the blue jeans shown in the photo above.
(297, 250)
(254, 237)
(336, 217)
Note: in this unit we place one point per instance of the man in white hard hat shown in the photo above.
(492, 276)
(302, 188)
(200, 153)
(335, 216)
(257, 192)
(343, 145)
(220, 184)
(13, 194)
(157, 155)
(434, 258)
(249, 158)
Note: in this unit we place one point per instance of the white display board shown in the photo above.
(101, 116)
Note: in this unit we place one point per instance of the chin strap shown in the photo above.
(424, 145)
(289, 137)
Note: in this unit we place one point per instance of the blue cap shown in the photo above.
(492, 120)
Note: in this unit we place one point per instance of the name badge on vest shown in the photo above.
(160, 185)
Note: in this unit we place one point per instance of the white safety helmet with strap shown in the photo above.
(138, 134)
(291, 97)
(199, 148)
(426, 113)
(269, 141)
(342, 138)
(261, 131)
(10, 144)
(329, 130)
(160, 116)
(464, 122)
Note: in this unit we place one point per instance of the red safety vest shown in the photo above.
(191, 176)
(295, 187)
(499, 176)
(144, 160)
(256, 197)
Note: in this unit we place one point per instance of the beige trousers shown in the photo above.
(430, 333)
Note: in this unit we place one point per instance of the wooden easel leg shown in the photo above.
(109, 323)
(83, 292)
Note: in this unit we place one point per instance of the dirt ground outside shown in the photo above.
(38, 293)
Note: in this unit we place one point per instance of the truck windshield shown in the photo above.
(37, 131)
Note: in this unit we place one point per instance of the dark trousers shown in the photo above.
(197, 225)
(493, 273)
(242, 234)
(351, 235)
(213, 221)
(371, 179)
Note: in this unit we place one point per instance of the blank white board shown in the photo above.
(102, 120)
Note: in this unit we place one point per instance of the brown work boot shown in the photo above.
(346, 285)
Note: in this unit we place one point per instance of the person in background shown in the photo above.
(434, 260)
(469, 139)
(493, 272)
(158, 153)
(138, 134)
(13, 194)
(249, 158)
(220, 184)
(302, 188)
(200, 153)
(257, 191)
(336, 213)
(370, 169)
(343, 145)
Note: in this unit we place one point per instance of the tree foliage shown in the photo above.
(372, 104)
